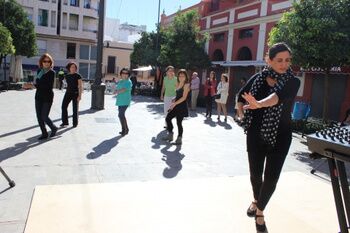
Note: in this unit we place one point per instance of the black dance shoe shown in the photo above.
(53, 132)
(260, 228)
(251, 212)
(42, 137)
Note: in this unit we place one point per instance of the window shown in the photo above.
(65, 2)
(42, 46)
(71, 47)
(73, 22)
(246, 33)
(43, 18)
(53, 1)
(87, 4)
(111, 65)
(30, 12)
(92, 72)
(53, 19)
(64, 21)
(214, 5)
(93, 55)
(74, 3)
(219, 37)
(84, 52)
(84, 70)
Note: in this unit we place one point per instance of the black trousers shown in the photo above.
(68, 97)
(209, 104)
(42, 114)
(122, 118)
(171, 115)
(273, 158)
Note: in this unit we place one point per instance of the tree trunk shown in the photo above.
(326, 96)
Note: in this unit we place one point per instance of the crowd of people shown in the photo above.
(263, 109)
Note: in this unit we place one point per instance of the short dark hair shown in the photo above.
(123, 70)
(277, 48)
(71, 63)
(183, 71)
(168, 68)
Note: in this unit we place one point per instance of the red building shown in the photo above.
(239, 31)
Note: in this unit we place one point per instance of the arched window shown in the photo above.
(244, 54)
(218, 55)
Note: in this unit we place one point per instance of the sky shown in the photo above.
(144, 12)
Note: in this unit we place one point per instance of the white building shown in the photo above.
(66, 29)
(116, 32)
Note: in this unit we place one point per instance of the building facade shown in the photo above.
(66, 29)
(239, 31)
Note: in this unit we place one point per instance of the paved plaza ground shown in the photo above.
(95, 153)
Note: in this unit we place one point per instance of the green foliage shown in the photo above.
(180, 45)
(318, 33)
(145, 51)
(183, 46)
(15, 19)
(6, 46)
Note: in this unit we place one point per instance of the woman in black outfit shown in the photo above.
(178, 108)
(73, 93)
(267, 97)
(44, 95)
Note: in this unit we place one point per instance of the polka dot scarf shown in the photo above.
(271, 115)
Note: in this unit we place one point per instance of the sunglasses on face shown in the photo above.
(125, 73)
(46, 61)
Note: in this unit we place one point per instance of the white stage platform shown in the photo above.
(301, 203)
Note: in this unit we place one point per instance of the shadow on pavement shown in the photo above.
(173, 161)
(171, 158)
(210, 122)
(225, 125)
(104, 147)
(156, 109)
(31, 142)
(86, 111)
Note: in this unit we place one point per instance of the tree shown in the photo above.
(183, 45)
(318, 33)
(6, 46)
(145, 51)
(15, 19)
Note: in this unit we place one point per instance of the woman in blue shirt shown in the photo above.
(124, 87)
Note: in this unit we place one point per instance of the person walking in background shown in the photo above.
(168, 92)
(222, 92)
(195, 83)
(73, 93)
(123, 91)
(243, 81)
(209, 92)
(268, 97)
(178, 108)
(44, 95)
(60, 78)
(133, 79)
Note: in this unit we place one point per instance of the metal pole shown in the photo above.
(157, 49)
(97, 90)
(100, 34)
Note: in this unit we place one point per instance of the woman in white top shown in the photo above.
(223, 92)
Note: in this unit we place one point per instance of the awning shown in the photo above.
(145, 68)
(240, 63)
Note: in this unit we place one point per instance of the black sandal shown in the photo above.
(260, 228)
(251, 212)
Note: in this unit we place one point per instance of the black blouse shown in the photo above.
(44, 87)
(286, 95)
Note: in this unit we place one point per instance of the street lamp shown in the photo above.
(98, 90)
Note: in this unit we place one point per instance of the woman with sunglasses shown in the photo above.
(44, 95)
(123, 91)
